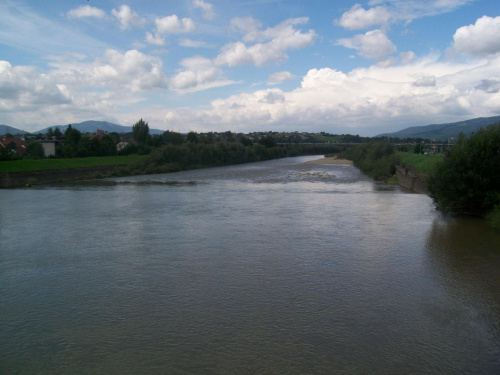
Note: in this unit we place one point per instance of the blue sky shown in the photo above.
(364, 67)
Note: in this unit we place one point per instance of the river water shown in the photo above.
(266, 268)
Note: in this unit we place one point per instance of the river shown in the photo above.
(275, 267)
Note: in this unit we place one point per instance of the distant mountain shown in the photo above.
(4, 129)
(92, 126)
(444, 131)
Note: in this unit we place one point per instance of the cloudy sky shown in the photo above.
(364, 67)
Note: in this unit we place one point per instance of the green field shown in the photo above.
(27, 165)
(423, 163)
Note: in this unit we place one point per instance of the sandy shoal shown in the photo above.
(329, 160)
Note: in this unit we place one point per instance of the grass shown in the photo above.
(423, 163)
(28, 165)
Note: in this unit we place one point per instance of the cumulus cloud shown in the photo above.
(425, 81)
(272, 43)
(199, 73)
(169, 25)
(279, 77)
(173, 25)
(23, 88)
(207, 9)
(155, 39)
(480, 39)
(132, 70)
(86, 11)
(490, 86)
(373, 44)
(127, 17)
(358, 18)
(423, 91)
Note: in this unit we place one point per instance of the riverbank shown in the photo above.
(330, 160)
(26, 179)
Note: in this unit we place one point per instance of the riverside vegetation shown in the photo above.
(464, 180)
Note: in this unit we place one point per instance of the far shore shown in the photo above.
(329, 160)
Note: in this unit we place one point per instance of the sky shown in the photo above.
(366, 67)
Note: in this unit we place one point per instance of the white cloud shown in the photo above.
(373, 44)
(169, 25)
(86, 11)
(155, 39)
(23, 29)
(422, 92)
(189, 43)
(408, 10)
(406, 57)
(279, 77)
(274, 43)
(173, 25)
(132, 71)
(425, 81)
(358, 18)
(23, 88)
(77, 89)
(480, 39)
(207, 8)
(489, 86)
(127, 17)
(199, 73)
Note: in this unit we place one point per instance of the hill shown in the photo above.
(92, 126)
(444, 131)
(4, 129)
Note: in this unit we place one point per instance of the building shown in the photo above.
(16, 145)
(124, 143)
(49, 147)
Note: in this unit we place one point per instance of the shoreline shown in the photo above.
(329, 160)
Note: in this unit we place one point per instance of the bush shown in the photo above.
(376, 159)
(467, 181)
(494, 217)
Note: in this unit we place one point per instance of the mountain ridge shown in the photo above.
(444, 131)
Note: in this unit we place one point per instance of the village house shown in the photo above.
(124, 143)
(16, 145)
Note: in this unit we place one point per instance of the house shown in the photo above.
(124, 143)
(16, 145)
(49, 147)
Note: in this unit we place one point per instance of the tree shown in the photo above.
(140, 132)
(173, 138)
(267, 141)
(35, 150)
(467, 181)
(108, 146)
(58, 133)
(419, 148)
(50, 133)
(72, 139)
(192, 137)
(245, 141)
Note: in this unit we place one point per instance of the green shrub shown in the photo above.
(467, 181)
(376, 159)
(494, 217)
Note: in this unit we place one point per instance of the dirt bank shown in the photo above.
(329, 160)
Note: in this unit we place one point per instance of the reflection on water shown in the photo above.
(274, 267)
(465, 257)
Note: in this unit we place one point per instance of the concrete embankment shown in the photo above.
(412, 179)
(19, 179)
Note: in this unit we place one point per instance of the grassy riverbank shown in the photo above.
(423, 163)
(28, 165)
